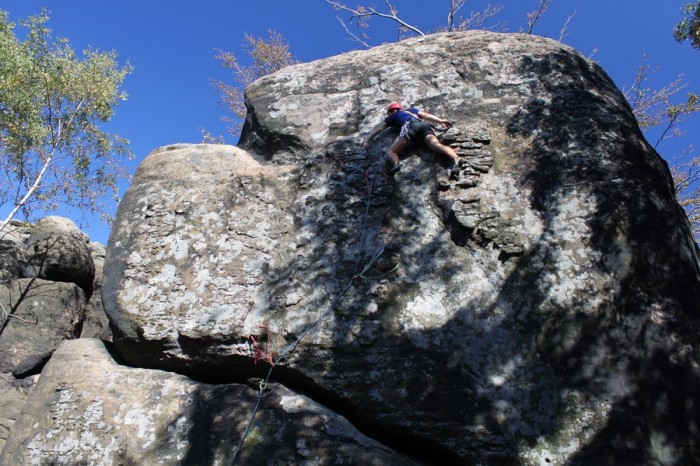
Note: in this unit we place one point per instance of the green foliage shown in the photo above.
(267, 56)
(52, 150)
(689, 27)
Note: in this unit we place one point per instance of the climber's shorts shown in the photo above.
(416, 130)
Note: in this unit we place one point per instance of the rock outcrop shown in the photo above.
(536, 305)
(47, 276)
(155, 418)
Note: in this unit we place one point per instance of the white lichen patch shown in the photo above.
(80, 435)
(425, 311)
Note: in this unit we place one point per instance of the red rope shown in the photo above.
(259, 353)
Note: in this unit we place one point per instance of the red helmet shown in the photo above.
(394, 105)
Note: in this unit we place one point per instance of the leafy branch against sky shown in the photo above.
(52, 102)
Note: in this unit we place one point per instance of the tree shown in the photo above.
(687, 182)
(655, 109)
(52, 150)
(267, 56)
(362, 15)
(689, 27)
(536, 14)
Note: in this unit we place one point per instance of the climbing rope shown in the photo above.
(282, 355)
(371, 185)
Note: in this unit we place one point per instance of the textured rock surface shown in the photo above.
(161, 258)
(536, 306)
(153, 418)
(540, 299)
(95, 322)
(13, 394)
(46, 269)
(41, 315)
(13, 257)
(59, 251)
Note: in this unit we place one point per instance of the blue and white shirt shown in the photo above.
(398, 119)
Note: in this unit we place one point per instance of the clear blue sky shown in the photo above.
(172, 46)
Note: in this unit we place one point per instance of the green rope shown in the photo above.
(291, 347)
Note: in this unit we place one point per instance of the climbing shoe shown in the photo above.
(394, 169)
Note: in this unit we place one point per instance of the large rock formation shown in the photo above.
(112, 414)
(536, 306)
(47, 274)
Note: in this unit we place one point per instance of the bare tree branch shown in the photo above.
(653, 107)
(478, 18)
(455, 6)
(535, 15)
(393, 15)
(342, 23)
(686, 179)
(565, 29)
(8, 315)
(268, 55)
(363, 14)
(675, 114)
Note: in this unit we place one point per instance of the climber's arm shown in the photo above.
(429, 117)
(376, 130)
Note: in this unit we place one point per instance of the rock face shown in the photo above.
(536, 305)
(58, 251)
(189, 274)
(153, 418)
(47, 274)
(43, 315)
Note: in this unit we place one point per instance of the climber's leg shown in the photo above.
(391, 162)
(434, 145)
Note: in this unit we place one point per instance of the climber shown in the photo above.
(414, 128)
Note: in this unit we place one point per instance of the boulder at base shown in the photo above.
(87, 409)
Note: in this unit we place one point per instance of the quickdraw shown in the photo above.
(260, 354)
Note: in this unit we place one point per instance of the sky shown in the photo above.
(172, 45)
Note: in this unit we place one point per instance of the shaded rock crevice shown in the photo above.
(416, 448)
(263, 139)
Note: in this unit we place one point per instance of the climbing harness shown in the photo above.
(266, 354)
(406, 127)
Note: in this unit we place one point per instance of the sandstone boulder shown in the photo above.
(538, 305)
(87, 409)
(37, 315)
(36, 312)
(13, 394)
(13, 255)
(54, 225)
(177, 215)
(58, 251)
(13, 260)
